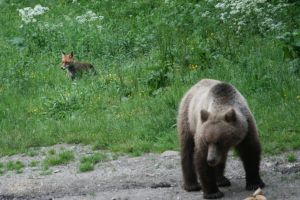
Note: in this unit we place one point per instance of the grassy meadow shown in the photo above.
(147, 54)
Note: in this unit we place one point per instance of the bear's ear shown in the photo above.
(204, 115)
(230, 116)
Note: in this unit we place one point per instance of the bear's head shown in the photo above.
(218, 133)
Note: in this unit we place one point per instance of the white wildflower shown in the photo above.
(205, 14)
(99, 27)
(241, 23)
(233, 12)
(39, 10)
(67, 18)
(220, 5)
(222, 16)
(88, 17)
(27, 14)
(242, 12)
(80, 19)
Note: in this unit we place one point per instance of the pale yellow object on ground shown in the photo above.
(257, 195)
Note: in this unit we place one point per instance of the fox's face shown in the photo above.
(67, 59)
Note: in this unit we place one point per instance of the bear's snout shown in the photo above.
(212, 156)
(211, 162)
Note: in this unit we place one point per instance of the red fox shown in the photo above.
(73, 67)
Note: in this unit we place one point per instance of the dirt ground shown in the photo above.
(151, 176)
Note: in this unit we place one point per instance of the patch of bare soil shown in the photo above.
(151, 176)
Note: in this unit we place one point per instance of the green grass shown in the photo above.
(51, 152)
(32, 152)
(147, 55)
(1, 168)
(14, 166)
(59, 159)
(33, 163)
(87, 163)
(291, 158)
(46, 172)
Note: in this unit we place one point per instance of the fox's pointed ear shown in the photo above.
(71, 54)
(63, 54)
(204, 115)
(230, 116)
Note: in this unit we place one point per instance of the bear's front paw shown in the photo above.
(216, 195)
(254, 185)
(223, 182)
(192, 187)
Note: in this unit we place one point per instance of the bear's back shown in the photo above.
(215, 97)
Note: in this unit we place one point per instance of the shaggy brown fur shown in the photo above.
(73, 67)
(213, 117)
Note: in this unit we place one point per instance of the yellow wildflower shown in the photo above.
(193, 66)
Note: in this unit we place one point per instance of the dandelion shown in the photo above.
(33, 110)
(193, 66)
(28, 14)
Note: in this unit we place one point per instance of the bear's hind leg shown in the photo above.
(188, 169)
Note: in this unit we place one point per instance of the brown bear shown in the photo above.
(213, 117)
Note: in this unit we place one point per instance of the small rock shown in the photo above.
(150, 175)
(160, 185)
(169, 154)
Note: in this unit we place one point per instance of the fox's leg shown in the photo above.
(71, 75)
(93, 70)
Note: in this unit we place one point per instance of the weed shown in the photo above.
(52, 152)
(46, 172)
(33, 163)
(86, 166)
(32, 152)
(1, 169)
(291, 158)
(14, 166)
(59, 159)
(87, 163)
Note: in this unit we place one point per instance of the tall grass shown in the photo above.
(147, 54)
